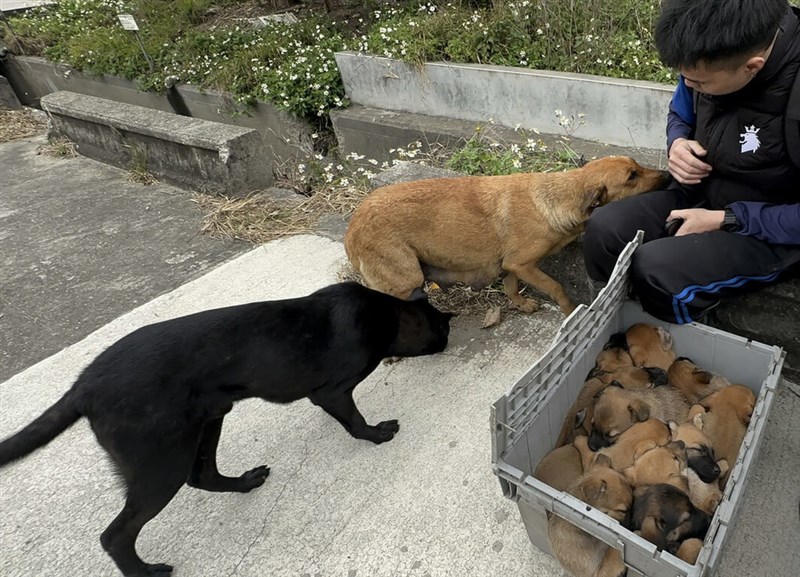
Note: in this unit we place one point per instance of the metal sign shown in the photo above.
(127, 21)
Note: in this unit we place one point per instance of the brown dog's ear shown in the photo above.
(630, 474)
(594, 198)
(676, 446)
(666, 338)
(639, 410)
(591, 489)
(697, 416)
(701, 376)
(602, 461)
(580, 417)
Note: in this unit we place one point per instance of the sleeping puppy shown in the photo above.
(631, 444)
(473, 229)
(660, 465)
(650, 346)
(665, 516)
(724, 417)
(579, 553)
(560, 467)
(693, 381)
(702, 471)
(617, 409)
(578, 418)
(156, 398)
(689, 550)
(699, 452)
(614, 355)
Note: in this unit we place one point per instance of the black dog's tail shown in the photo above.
(44, 429)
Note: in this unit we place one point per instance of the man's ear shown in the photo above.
(754, 65)
(594, 198)
(639, 411)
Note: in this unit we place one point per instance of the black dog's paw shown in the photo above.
(384, 431)
(154, 570)
(253, 478)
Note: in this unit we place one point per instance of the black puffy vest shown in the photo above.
(744, 132)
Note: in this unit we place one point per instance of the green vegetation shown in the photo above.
(291, 64)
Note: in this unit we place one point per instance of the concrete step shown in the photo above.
(200, 154)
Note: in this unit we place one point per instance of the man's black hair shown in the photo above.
(689, 32)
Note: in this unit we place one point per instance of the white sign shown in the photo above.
(127, 21)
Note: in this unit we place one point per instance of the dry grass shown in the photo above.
(59, 147)
(260, 217)
(460, 299)
(23, 123)
(257, 218)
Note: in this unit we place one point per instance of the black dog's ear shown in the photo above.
(418, 294)
(617, 341)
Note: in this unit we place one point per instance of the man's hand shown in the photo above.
(684, 162)
(697, 220)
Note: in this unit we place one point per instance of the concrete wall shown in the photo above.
(621, 112)
(283, 134)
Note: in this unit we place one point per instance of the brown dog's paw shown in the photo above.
(528, 306)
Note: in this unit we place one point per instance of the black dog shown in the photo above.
(156, 398)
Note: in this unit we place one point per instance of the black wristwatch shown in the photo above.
(730, 223)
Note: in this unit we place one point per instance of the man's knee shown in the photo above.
(653, 275)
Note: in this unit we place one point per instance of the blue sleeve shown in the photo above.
(773, 223)
(681, 118)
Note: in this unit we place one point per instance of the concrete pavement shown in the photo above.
(424, 504)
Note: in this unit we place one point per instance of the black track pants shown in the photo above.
(678, 279)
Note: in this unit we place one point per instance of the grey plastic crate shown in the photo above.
(527, 419)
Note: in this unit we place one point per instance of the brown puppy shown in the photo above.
(693, 381)
(724, 417)
(611, 359)
(699, 452)
(663, 515)
(650, 346)
(689, 550)
(660, 465)
(705, 496)
(631, 444)
(471, 229)
(560, 467)
(579, 417)
(616, 410)
(579, 553)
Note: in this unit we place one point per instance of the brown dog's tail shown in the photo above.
(44, 429)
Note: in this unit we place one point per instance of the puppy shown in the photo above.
(699, 452)
(579, 553)
(723, 417)
(560, 467)
(660, 465)
(156, 398)
(631, 444)
(614, 355)
(579, 417)
(689, 550)
(665, 516)
(473, 229)
(706, 496)
(616, 410)
(650, 346)
(693, 381)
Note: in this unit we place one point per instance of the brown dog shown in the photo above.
(579, 417)
(473, 228)
(631, 444)
(723, 417)
(579, 553)
(616, 410)
(699, 452)
(689, 550)
(660, 465)
(650, 346)
(693, 381)
(560, 467)
(663, 515)
(706, 496)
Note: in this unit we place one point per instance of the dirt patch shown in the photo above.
(347, 12)
(23, 123)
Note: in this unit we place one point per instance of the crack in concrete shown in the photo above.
(275, 504)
